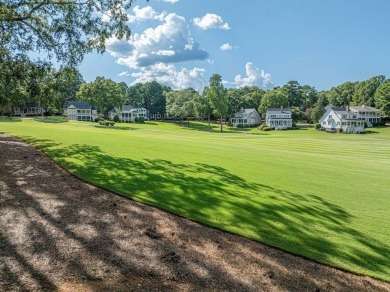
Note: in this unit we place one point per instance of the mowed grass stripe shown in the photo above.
(323, 196)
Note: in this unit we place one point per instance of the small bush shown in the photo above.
(136, 120)
(262, 126)
(340, 130)
(267, 129)
(141, 120)
(116, 119)
(317, 126)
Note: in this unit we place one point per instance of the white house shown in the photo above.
(341, 117)
(29, 109)
(80, 111)
(128, 113)
(278, 118)
(246, 118)
(368, 114)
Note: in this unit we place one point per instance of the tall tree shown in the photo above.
(181, 103)
(365, 90)
(203, 107)
(319, 108)
(102, 93)
(382, 99)
(275, 98)
(150, 95)
(293, 90)
(218, 97)
(309, 95)
(69, 81)
(342, 94)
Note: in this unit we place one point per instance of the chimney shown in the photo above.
(363, 106)
(281, 109)
(347, 108)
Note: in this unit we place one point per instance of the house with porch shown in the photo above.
(128, 113)
(248, 117)
(370, 115)
(279, 118)
(341, 117)
(80, 111)
(30, 109)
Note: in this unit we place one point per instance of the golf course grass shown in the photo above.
(322, 196)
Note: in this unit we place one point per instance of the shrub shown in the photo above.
(317, 126)
(267, 129)
(110, 123)
(262, 126)
(340, 130)
(116, 119)
(141, 120)
(136, 120)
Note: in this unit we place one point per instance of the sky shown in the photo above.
(181, 43)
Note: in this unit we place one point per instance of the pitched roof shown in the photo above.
(78, 104)
(127, 107)
(363, 108)
(244, 112)
(340, 111)
(278, 111)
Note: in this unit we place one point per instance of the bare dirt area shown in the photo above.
(59, 233)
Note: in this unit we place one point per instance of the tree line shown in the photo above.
(24, 82)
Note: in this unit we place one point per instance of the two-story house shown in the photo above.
(128, 113)
(278, 118)
(368, 114)
(341, 117)
(80, 111)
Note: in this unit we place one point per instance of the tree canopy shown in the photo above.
(66, 29)
(218, 97)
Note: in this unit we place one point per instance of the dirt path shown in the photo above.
(58, 233)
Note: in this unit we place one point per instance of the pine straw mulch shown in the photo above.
(59, 233)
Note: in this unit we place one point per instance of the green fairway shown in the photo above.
(323, 196)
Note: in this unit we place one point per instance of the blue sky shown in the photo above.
(181, 43)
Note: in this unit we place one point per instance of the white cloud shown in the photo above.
(211, 21)
(169, 42)
(171, 1)
(123, 74)
(168, 75)
(144, 14)
(226, 47)
(254, 77)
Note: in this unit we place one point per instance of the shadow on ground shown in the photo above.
(84, 233)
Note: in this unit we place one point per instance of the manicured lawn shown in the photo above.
(323, 196)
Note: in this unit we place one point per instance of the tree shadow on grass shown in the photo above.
(206, 193)
(214, 128)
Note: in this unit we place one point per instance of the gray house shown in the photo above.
(248, 117)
